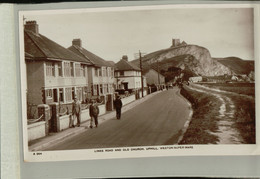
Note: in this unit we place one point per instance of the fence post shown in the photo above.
(137, 94)
(44, 109)
(109, 104)
(55, 118)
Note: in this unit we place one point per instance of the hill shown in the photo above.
(237, 65)
(192, 58)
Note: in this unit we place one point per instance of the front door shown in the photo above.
(55, 95)
(125, 86)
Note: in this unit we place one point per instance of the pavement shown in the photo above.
(55, 138)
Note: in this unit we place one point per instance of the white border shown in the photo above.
(90, 154)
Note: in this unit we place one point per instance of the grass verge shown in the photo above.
(204, 119)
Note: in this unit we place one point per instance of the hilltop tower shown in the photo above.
(175, 42)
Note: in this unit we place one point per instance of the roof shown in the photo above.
(147, 70)
(94, 59)
(124, 65)
(112, 63)
(39, 47)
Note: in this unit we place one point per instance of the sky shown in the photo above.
(111, 34)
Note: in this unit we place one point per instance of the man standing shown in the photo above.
(118, 105)
(76, 110)
(93, 113)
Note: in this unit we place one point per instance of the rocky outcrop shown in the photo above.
(195, 58)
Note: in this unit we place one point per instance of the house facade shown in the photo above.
(54, 73)
(128, 76)
(100, 73)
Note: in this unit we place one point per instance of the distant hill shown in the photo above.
(237, 65)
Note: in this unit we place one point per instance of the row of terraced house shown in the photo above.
(57, 74)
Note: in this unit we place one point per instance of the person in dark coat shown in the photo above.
(118, 105)
(76, 111)
(93, 113)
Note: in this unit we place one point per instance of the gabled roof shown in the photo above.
(94, 59)
(124, 65)
(147, 70)
(39, 47)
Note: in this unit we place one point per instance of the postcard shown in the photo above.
(140, 81)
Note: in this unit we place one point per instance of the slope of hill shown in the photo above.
(237, 65)
(191, 58)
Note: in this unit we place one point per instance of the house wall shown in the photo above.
(195, 79)
(133, 78)
(101, 80)
(35, 81)
(65, 81)
(57, 82)
(152, 77)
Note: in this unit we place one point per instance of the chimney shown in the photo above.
(32, 26)
(124, 57)
(76, 42)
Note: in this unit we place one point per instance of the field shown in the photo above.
(240, 88)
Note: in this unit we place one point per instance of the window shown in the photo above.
(82, 70)
(49, 93)
(85, 92)
(110, 88)
(50, 69)
(112, 72)
(101, 89)
(99, 72)
(68, 92)
(105, 88)
(121, 73)
(104, 71)
(71, 69)
(95, 89)
(61, 98)
(96, 72)
(60, 68)
(108, 72)
(79, 93)
(77, 70)
(67, 70)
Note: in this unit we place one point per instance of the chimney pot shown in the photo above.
(32, 26)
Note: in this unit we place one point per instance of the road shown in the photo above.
(156, 121)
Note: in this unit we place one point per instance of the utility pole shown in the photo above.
(141, 67)
(158, 73)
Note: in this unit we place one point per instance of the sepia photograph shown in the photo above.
(138, 81)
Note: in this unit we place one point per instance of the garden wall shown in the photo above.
(36, 130)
